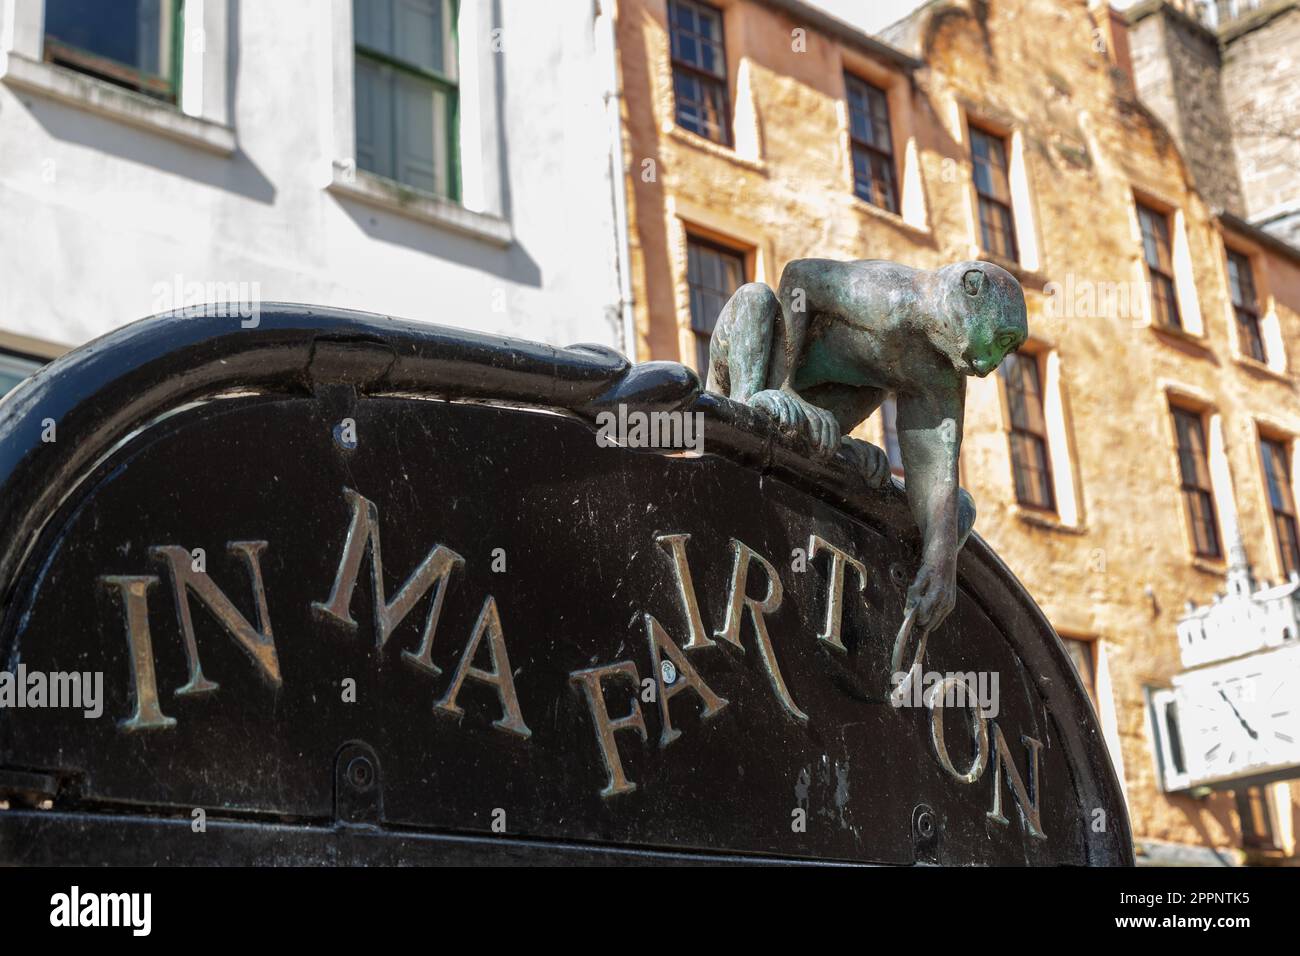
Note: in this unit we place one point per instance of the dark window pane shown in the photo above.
(699, 70)
(1194, 476)
(13, 369)
(1030, 462)
(1081, 656)
(1277, 478)
(712, 275)
(993, 188)
(127, 31)
(404, 95)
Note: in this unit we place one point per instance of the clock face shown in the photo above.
(1244, 721)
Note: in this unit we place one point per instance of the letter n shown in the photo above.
(1026, 797)
(258, 643)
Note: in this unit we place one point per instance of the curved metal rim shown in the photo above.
(99, 394)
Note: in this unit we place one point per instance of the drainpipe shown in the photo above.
(613, 98)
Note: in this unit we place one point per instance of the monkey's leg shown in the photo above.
(741, 347)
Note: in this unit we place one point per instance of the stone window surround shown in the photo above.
(693, 221)
(1192, 399)
(1269, 325)
(1107, 715)
(1022, 198)
(1069, 513)
(480, 212)
(1189, 303)
(1267, 428)
(907, 158)
(200, 118)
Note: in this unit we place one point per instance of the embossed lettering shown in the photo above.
(675, 546)
(499, 677)
(835, 601)
(1026, 797)
(739, 601)
(934, 699)
(590, 681)
(258, 643)
(134, 591)
(363, 533)
(684, 677)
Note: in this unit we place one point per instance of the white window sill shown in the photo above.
(105, 99)
(417, 204)
(893, 218)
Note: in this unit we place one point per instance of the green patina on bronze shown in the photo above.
(821, 353)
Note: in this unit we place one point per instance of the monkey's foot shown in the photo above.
(869, 461)
(799, 417)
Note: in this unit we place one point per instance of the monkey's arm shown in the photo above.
(929, 437)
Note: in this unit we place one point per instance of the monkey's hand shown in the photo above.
(799, 417)
(869, 461)
(933, 593)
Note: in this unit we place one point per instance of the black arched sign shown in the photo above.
(360, 590)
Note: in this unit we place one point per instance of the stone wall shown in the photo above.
(1261, 85)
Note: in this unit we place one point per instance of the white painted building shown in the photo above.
(427, 159)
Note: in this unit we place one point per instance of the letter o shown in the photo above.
(979, 728)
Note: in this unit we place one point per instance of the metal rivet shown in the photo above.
(925, 824)
(669, 671)
(360, 773)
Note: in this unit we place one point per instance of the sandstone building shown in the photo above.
(1143, 443)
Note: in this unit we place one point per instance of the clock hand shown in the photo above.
(1254, 734)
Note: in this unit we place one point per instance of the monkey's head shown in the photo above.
(985, 308)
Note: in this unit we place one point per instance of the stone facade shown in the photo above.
(1225, 78)
(1112, 562)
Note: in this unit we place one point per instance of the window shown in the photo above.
(993, 189)
(1277, 478)
(13, 369)
(1194, 474)
(713, 273)
(406, 93)
(872, 143)
(1030, 463)
(132, 43)
(1256, 820)
(1245, 306)
(700, 69)
(1160, 270)
(889, 421)
(1080, 652)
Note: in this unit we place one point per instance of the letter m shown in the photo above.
(363, 534)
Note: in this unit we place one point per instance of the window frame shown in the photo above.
(701, 336)
(702, 76)
(984, 200)
(888, 157)
(165, 88)
(1020, 433)
(1282, 450)
(1250, 331)
(1204, 494)
(1160, 274)
(449, 87)
(19, 362)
